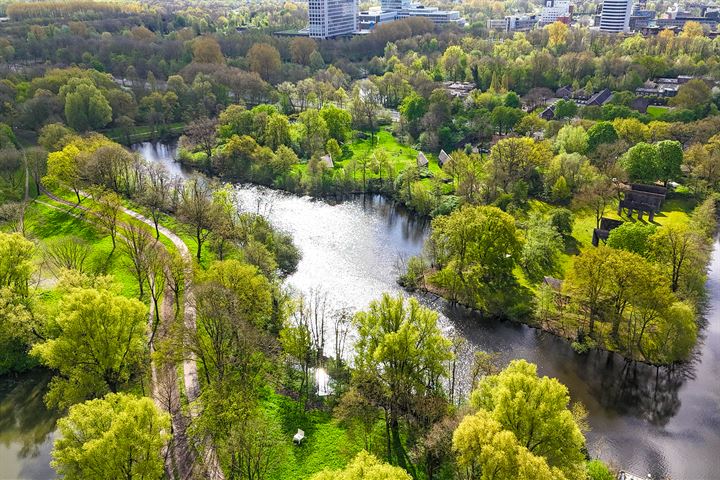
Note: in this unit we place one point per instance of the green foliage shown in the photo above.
(118, 436)
(601, 133)
(364, 467)
(522, 427)
(562, 220)
(632, 236)
(565, 109)
(670, 158)
(85, 106)
(99, 342)
(475, 249)
(542, 249)
(597, 470)
(400, 357)
(572, 139)
(642, 163)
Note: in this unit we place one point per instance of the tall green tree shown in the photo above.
(475, 250)
(85, 106)
(99, 344)
(401, 350)
(670, 158)
(118, 436)
(642, 163)
(523, 422)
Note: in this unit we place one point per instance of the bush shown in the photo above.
(413, 276)
(597, 470)
(562, 220)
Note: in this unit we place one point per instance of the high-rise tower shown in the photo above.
(332, 18)
(615, 16)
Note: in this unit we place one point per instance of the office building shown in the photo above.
(615, 16)
(392, 10)
(332, 18)
(555, 10)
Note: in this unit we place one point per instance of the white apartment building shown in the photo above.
(553, 10)
(615, 16)
(332, 18)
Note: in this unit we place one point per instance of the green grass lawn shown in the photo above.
(45, 223)
(656, 111)
(326, 444)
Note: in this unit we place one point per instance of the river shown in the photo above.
(665, 422)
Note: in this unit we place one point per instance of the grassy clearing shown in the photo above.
(326, 444)
(45, 223)
(656, 111)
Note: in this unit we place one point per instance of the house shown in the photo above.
(564, 92)
(327, 161)
(548, 113)
(422, 160)
(443, 158)
(600, 98)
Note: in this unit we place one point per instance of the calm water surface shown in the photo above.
(645, 420)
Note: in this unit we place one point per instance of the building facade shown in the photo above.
(332, 18)
(615, 16)
(554, 10)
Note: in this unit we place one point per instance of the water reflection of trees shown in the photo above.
(23, 416)
(641, 390)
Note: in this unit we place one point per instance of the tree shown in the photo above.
(557, 34)
(670, 158)
(67, 253)
(54, 136)
(366, 105)
(633, 237)
(85, 106)
(277, 132)
(542, 249)
(642, 163)
(485, 450)
(156, 195)
(535, 412)
(333, 149)
(301, 48)
(597, 195)
(692, 94)
(206, 49)
(364, 467)
(513, 159)
(313, 132)
(137, 244)
(475, 250)
(15, 263)
(692, 29)
(599, 134)
(505, 118)
(202, 133)
(100, 343)
(572, 139)
(400, 348)
(680, 250)
(565, 109)
(197, 210)
(110, 206)
(265, 60)
(63, 167)
(118, 436)
(36, 158)
(338, 121)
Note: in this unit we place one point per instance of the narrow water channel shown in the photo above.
(645, 420)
